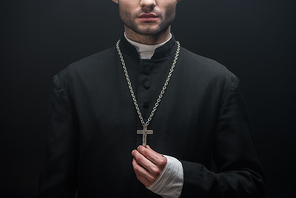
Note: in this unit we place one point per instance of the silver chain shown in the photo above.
(131, 88)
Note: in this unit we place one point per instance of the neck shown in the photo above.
(148, 39)
(146, 51)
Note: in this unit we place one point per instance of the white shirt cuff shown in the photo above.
(170, 182)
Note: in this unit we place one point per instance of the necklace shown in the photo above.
(145, 131)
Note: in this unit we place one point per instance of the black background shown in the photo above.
(255, 39)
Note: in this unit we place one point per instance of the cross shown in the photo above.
(144, 132)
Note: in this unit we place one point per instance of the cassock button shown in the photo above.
(146, 84)
(147, 70)
(146, 104)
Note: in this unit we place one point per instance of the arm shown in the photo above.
(58, 177)
(239, 173)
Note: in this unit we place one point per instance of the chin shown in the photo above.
(149, 30)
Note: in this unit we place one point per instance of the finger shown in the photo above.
(153, 156)
(149, 153)
(144, 181)
(142, 173)
(143, 161)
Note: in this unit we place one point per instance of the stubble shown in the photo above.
(167, 19)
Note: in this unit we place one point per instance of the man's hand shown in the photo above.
(148, 164)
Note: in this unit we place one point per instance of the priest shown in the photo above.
(148, 118)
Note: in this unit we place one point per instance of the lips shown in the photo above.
(148, 17)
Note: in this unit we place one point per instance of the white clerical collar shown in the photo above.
(146, 51)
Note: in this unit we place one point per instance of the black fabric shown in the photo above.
(93, 126)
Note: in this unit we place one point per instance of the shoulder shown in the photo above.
(203, 67)
(91, 62)
(88, 71)
(208, 75)
(89, 65)
(202, 63)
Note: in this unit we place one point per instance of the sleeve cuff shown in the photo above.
(170, 181)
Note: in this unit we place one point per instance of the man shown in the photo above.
(149, 90)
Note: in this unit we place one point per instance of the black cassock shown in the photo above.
(202, 118)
